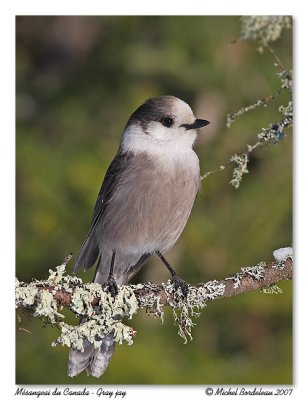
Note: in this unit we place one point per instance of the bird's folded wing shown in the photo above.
(89, 250)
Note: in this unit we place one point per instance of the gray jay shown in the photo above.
(142, 207)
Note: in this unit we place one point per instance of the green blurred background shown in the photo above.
(78, 79)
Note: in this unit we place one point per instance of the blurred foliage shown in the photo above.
(78, 79)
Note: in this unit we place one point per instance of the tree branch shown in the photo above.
(248, 281)
(95, 304)
(264, 29)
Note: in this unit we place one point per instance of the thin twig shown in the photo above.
(278, 61)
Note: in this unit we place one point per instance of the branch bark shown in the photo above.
(248, 279)
(102, 314)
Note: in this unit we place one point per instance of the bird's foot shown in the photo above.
(179, 283)
(111, 286)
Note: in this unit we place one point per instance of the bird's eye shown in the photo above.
(167, 121)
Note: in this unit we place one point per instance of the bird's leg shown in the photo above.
(111, 284)
(175, 280)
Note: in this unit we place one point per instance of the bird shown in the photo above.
(142, 207)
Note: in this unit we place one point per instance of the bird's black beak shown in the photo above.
(198, 123)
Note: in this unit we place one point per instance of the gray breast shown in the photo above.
(149, 207)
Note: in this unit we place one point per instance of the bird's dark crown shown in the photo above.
(153, 109)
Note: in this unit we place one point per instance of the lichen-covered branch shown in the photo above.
(264, 30)
(103, 314)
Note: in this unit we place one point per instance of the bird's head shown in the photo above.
(164, 122)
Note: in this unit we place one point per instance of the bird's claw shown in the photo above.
(111, 286)
(179, 283)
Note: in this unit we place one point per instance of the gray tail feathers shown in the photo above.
(94, 361)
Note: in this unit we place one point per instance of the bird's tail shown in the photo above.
(94, 360)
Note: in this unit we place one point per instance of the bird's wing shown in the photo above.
(89, 250)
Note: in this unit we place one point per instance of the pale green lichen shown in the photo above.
(93, 330)
(57, 276)
(47, 306)
(272, 289)
(122, 333)
(75, 336)
(256, 272)
(232, 117)
(286, 78)
(288, 110)
(125, 303)
(241, 161)
(236, 279)
(205, 292)
(105, 315)
(185, 309)
(70, 336)
(83, 297)
(99, 320)
(263, 28)
(25, 295)
(150, 300)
